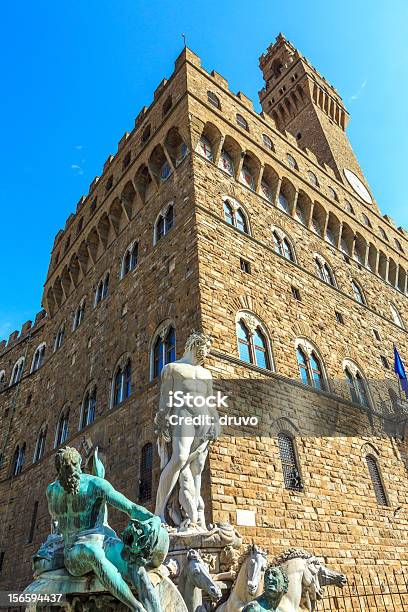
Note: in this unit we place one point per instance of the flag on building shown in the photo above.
(399, 369)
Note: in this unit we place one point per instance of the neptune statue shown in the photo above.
(78, 503)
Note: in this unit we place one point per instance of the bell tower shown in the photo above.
(303, 103)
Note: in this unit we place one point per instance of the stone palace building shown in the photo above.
(260, 230)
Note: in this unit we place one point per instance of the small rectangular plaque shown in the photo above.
(246, 518)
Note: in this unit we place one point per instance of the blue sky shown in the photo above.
(75, 74)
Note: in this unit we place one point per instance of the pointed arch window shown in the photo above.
(164, 351)
(267, 142)
(102, 289)
(79, 315)
(312, 178)
(2, 379)
(62, 428)
(235, 216)
(290, 468)
(377, 482)
(310, 366)
(88, 408)
(146, 473)
(17, 371)
(213, 99)
(358, 293)
(122, 384)
(164, 223)
(357, 385)
(396, 317)
(242, 122)
(292, 163)
(165, 171)
(18, 460)
(324, 271)
(282, 246)
(38, 358)
(130, 258)
(40, 444)
(59, 338)
(205, 149)
(252, 344)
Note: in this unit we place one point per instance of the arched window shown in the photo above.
(290, 468)
(356, 384)
(2, 379)
(88, 408)
(165, 171)
(252, 343)
(398, 245)
(324, 271)
(40, 444)
(122, 384)
(18, 460)
(17, 371)
(62, 428)
(102, 289)
(396, 317)
(312, 178)
(382, 233)
(234, 215)
(310, 366)
(376, 480)
(226, 163)
(358, 293)
(213, 99)
(146, 473)
(366, 220)
(348, 207)
(164, 223)
(205, 149)
(247, 177)
(79, 314)
(283, 203)
(38, 358)
(267, 141)
(164, 350)
(282, 245)
(59, 338)
(242, 122)
(129, 260)
(332, 193)
(292, 163)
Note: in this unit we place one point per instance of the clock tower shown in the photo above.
(303, 103)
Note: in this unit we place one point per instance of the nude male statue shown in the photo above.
(189, 443)
(76, 501)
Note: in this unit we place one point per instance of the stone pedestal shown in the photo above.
(86, 593)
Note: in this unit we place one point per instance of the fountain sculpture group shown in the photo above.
(171, 560)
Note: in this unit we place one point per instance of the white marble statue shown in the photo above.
(183, 446)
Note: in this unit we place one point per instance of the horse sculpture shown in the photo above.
(307, 575)
(249, 581)
(194, 579)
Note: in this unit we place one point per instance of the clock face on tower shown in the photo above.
(360, 189)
